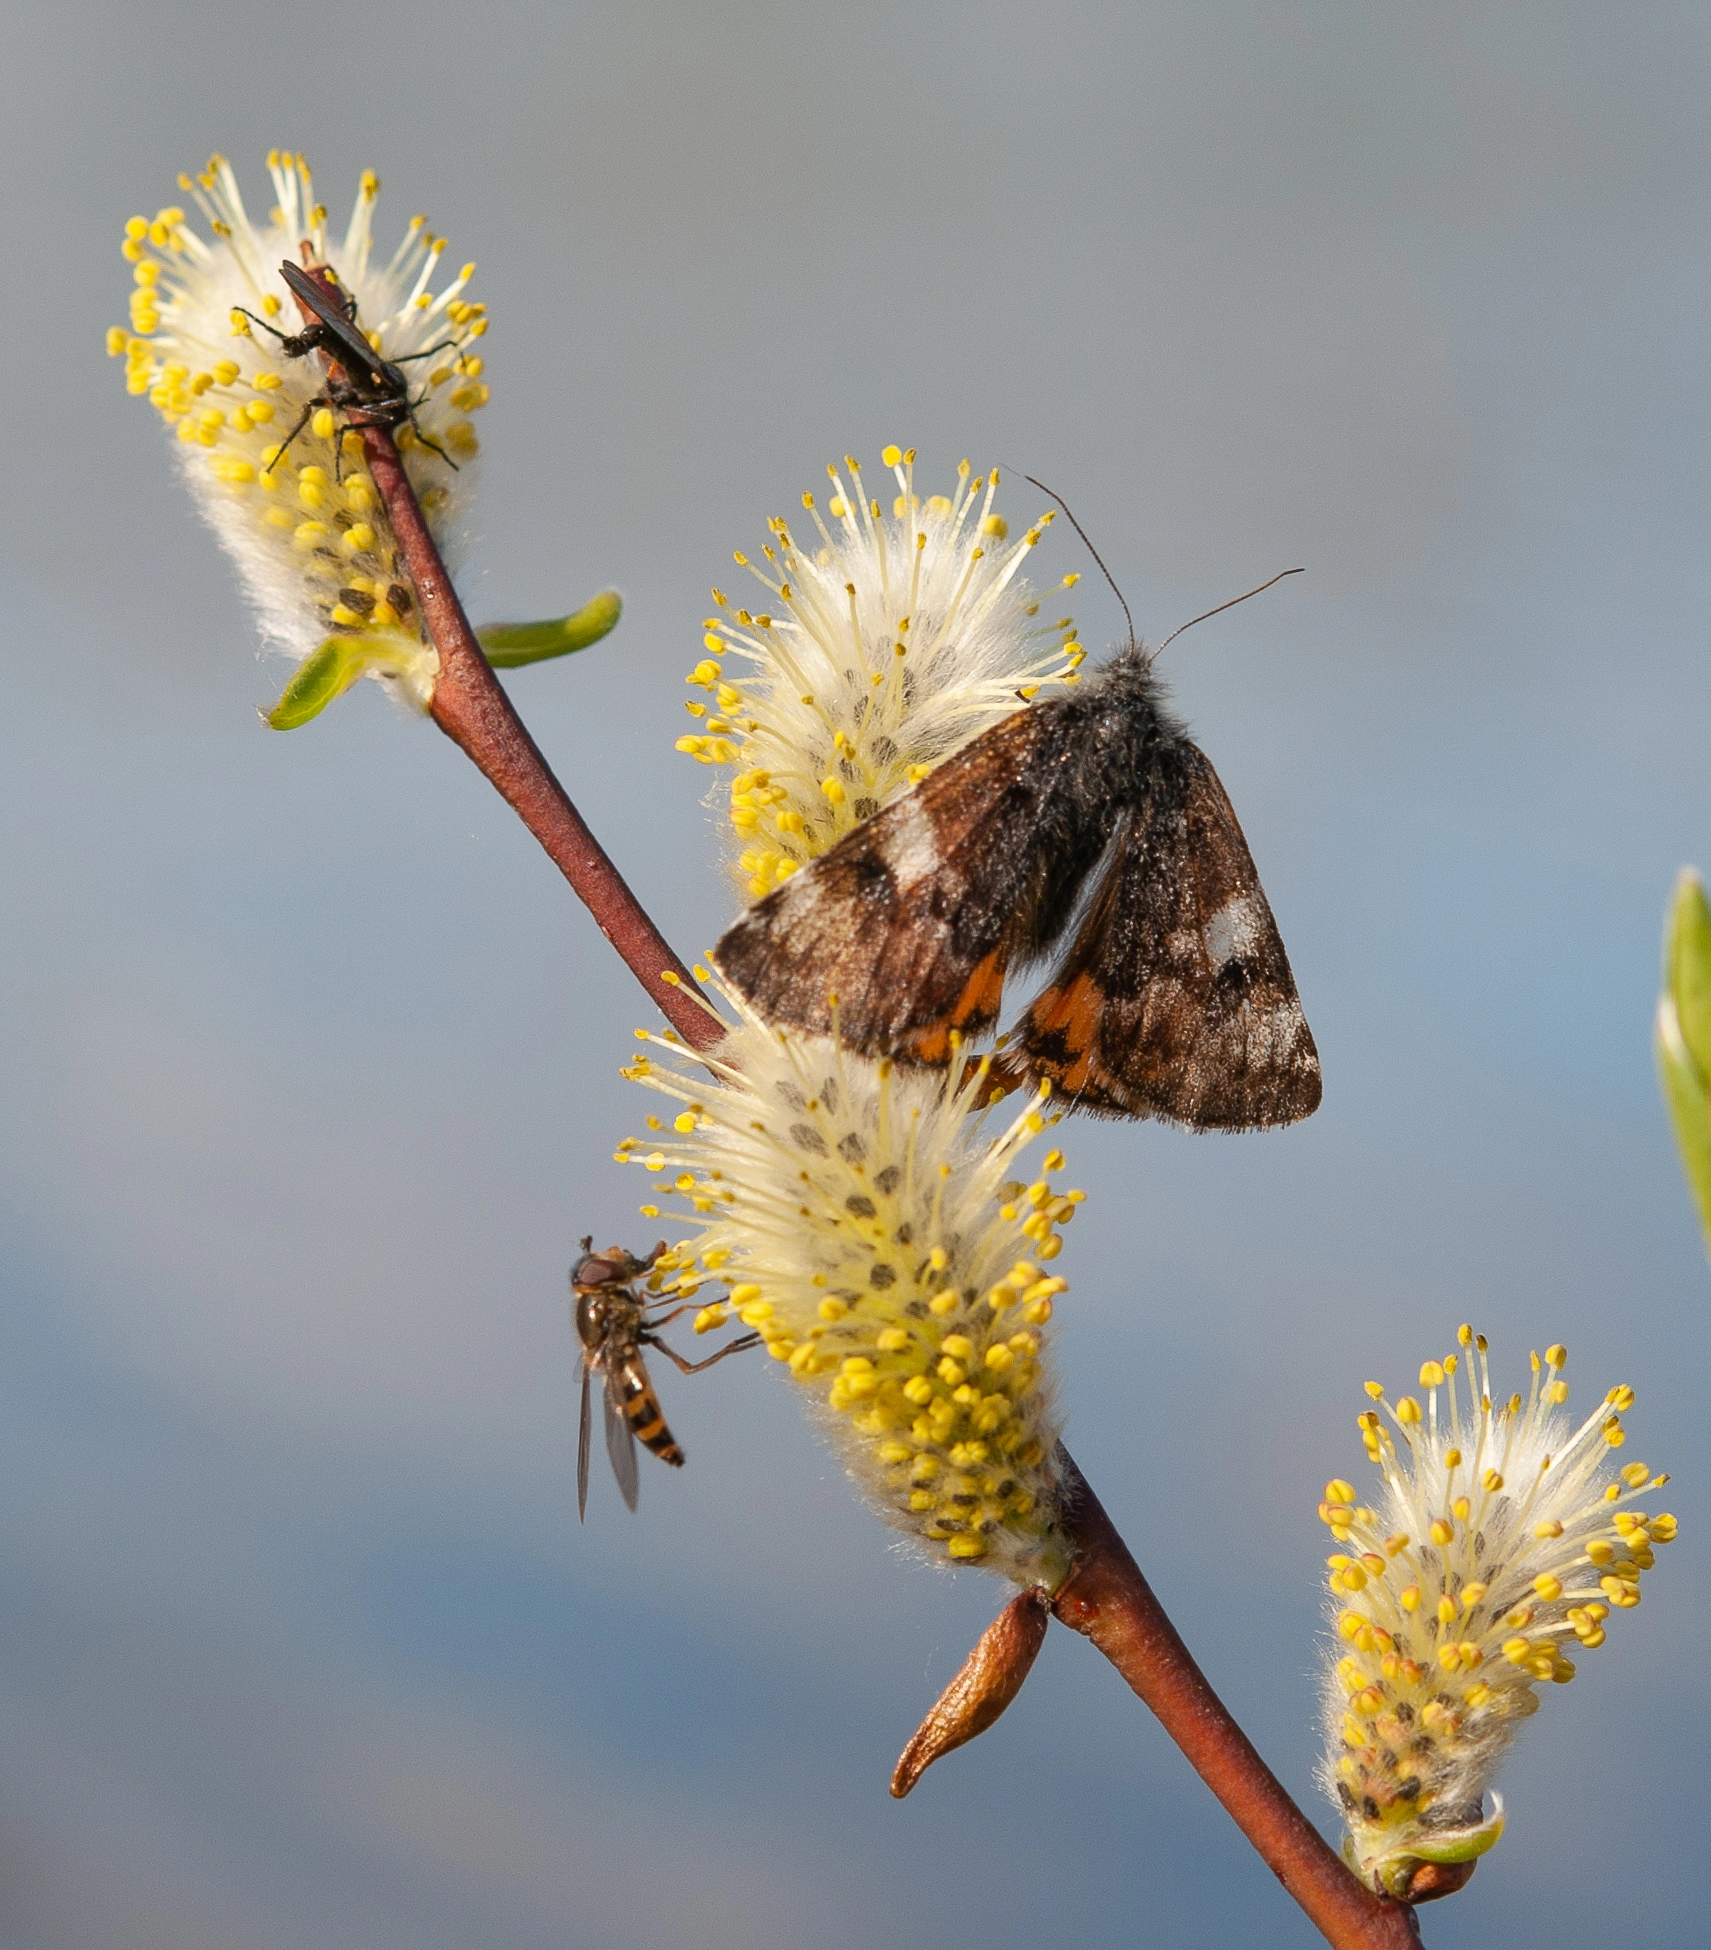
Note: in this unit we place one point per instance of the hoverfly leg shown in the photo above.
(739, 1346)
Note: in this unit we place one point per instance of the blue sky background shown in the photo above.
(308, 1073)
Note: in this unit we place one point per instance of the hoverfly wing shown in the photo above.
(1177, 999)
(911, 920)
(584, 1444)
(621, 1442)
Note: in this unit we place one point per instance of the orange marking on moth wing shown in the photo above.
(1075, 1010)
(1075, 1077)
(929, 1045)
(982, 992)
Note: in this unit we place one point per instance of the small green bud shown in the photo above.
(510, 644)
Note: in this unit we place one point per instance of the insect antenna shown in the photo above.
(1105, 572)
(1220, 608)
(445, 345)
(283, 337)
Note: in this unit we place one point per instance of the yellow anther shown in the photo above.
(1375, 1389)
(1407, 1410)
(1431, 1375)
(1409, 1599)
(1442, 1530)
(1548, 1587)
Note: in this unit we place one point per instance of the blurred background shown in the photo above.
(308, 1067)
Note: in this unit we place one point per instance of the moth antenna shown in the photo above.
(1218, 611)
(1105, 572)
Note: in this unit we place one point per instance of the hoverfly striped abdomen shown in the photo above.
(644, 1414)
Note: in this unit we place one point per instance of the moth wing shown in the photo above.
(621, 1443)
(584, 1443)
(1176, 1000)
(910, 920)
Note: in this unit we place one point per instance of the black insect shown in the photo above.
(613, 1325)
(368, 390)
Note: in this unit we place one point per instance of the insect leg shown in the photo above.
(308, 412)
(415, 427)
(665, 1320)
(738, 1346)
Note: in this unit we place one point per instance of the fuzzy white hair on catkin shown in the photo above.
(870, 1227)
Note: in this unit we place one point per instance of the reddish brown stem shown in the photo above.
(1106, 1598)
(470, 706)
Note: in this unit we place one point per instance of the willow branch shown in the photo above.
(470, 706)
(1107, 1599)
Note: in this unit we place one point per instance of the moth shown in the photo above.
(614, 1323)
(1089, 818)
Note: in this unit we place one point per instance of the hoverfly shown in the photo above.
(370, 391)
(613, 1325)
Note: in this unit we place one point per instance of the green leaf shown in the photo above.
(509, 645)
(323, 675)
(1687, 964)
(330, 671)
(1683, 1035)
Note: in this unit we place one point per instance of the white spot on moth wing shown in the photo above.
(1273, 1037)
(1236, 930)
(911, 847)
